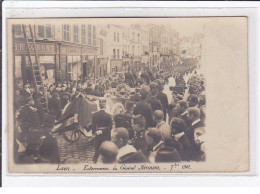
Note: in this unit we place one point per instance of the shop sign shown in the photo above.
(42, 48)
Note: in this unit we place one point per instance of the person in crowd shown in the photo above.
(145, 77)
(154, 140)
(162, 97)
(125, 119)
(54, 105)
(108, 151)
(144, 109)
(29, 118)
(193, 101)
(126, 153)
(38, 105)
(139, 141)
(202, 100)
(152, 100)
(181, 111)
(199, 139)
(101, 127)
(160, 152)
(48, 150)
(96, 91)
(182, 144)
(120, 137)
(58, 89)
(161, 125)
(129, 79)
(194, 118)
(19, 99)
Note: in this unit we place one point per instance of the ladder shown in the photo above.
(35, 64)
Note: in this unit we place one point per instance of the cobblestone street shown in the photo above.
(82, 150)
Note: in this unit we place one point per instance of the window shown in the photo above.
(45, 31)
(118, 53)
(66, 32)
(101, 47)
(114, 53)
(138, 38)
(114, 36)
(133, 37)
(76, 33)
(89, 34)
(49, 31)
(41, 31)
(83, 34)
(133, 50)
(117, 37)
(18, 30)
(94, 36)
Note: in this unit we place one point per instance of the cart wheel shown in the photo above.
(72, 136)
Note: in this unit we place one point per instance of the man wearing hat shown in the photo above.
(101, 127)
(29, 117)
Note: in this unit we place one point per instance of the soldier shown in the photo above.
(101, 127)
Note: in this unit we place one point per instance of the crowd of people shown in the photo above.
(145, 126)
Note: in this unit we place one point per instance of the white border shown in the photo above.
(140, 9)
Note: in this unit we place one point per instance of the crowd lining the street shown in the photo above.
(143, 126)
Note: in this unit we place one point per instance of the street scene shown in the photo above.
(107, 93)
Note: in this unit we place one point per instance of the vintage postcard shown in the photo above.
(128, 95)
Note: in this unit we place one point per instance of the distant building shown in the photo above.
(66, 52)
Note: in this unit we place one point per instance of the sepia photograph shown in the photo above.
(127, 95)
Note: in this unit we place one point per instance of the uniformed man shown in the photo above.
(101, 127)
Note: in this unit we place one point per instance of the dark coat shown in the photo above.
(54, 105)
(125, 120)
(155, 104)
(140, 143)
(183, 146)
(145, 109)
(167, 154)
(40, 111)
(129, 79)
(101, 119)
(29, 118)
(146, 78)
(162, 97)
(134, 157)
